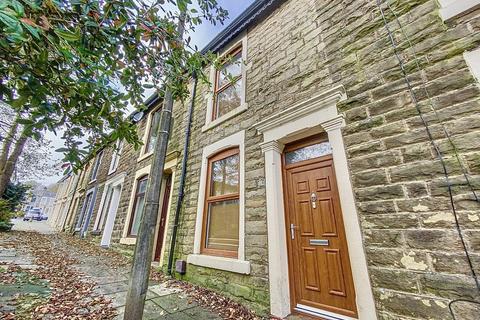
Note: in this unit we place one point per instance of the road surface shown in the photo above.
(38, 226)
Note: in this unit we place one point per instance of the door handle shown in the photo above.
(313, 198)
(292, 230)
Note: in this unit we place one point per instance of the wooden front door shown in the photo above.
(320, 272)
(163, 218)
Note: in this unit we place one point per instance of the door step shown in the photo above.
(322, 314)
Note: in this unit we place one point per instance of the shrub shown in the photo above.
(5, 212)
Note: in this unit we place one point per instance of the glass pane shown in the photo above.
(310, 152)
(225, 175)
(137, 215)
(228, 99)
(230, 70)
(222, 225)
(142, 186)
(96, 165)
(152, 139)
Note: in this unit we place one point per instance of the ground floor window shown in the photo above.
(221, 216)
(138, 206)
(86, 212)
(220, 224)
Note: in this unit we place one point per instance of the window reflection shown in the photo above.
(310, 152)
(225, 176)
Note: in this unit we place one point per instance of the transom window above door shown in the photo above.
(220, 234)
(228, 84)
(312, 151)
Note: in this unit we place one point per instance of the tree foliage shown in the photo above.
(79, 64)
(15, 194)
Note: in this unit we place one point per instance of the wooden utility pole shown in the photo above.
(142, 259)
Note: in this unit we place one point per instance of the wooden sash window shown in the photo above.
(228, 84)
(138, 206)
(220, 233)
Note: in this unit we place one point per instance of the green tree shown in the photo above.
(15, 195)
(77, 65)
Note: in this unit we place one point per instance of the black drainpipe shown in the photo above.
(182, 177)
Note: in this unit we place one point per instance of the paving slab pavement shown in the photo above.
(162, 302)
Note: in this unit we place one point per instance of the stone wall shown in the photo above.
(415, 257)
(270, 72)
(415, 260)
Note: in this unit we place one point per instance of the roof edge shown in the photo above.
(254, 13)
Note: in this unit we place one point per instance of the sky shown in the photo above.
(202, 36)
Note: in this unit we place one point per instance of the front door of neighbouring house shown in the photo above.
(111, 207)
(163, 218)
(320, 274)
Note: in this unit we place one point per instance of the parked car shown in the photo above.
(44, 216)
(33, 214)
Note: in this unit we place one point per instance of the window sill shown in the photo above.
(220, 263)
(111, 172)
(144, 156)
(92, 181)
(458, 8)
(128, 241)
(225, 117)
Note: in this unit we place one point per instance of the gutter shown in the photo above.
(181, 186)
(258, 10)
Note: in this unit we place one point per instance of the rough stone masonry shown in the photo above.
(415, 260)
(416, 263)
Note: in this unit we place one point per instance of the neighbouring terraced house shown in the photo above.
(318, 181)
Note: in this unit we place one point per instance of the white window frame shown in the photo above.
(117, 152)
(238, 265)
(96, 167)
(125, 238)
(473, 61)
(454, 8)
(85, 212)
(209, 123)
(143, 153)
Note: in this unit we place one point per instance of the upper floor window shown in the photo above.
(96, 166)
(227, 98)
(138, 206)
(152, 132)
(117, 152)
(221, 216)
(228, 84)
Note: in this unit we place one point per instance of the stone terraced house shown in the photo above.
(321, 180)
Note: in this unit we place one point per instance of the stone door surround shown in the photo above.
(315, 115)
